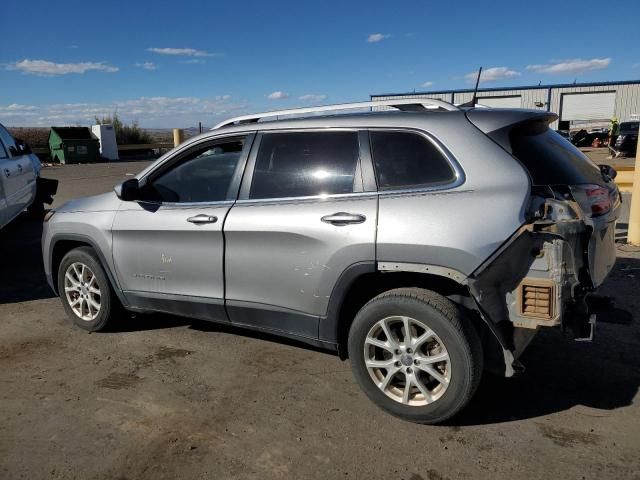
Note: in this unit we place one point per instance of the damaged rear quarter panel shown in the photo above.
(564, 249)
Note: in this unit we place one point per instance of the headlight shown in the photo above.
(48, 216)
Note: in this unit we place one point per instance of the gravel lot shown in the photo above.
(171, 398)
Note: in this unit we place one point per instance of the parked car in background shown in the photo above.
(425, 244)
(21, 186)
(583, 138)
(627, 141)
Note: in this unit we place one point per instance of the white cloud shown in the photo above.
(195, 61)
(277, 95)
(147, 65)
(46, 68)
(311, 97)
(151, 112)
(17, 107)
(492, 74)
(376, 37)
(188, 52)
(427, 84)
(571, 67)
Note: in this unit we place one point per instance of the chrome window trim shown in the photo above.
(312, 198)
(459, 179)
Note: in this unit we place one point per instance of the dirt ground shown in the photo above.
(165, 397)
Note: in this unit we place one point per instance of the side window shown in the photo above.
(408, 160)
(305, 164)
(204, 175)
(7, 140)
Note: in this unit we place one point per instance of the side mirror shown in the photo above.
(21, 148)
(128, 190)
(608, 171)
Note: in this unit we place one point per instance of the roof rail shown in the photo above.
(404, 104)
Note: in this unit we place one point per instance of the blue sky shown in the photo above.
(169, 65)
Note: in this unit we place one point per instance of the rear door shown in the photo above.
(168, 248)
(301, 220)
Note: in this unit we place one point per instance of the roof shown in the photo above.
(73, 133)
(406, 105)
(526, 87)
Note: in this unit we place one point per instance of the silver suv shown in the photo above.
(424, 242)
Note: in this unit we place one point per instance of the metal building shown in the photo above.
(577, 104)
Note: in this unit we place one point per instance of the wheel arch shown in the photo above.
(362, 281)
(63, 244)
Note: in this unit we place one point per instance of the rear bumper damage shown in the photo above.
(543, 277)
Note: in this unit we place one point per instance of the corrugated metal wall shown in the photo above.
(627, 101)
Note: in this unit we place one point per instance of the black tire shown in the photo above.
(110, 307)
(448, 322)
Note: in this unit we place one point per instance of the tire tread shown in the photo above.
(455, 316)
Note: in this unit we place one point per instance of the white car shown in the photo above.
(20, 184)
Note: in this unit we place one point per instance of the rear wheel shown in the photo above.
(415, 355)
(85, 291)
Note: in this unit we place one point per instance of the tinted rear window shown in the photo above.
(408, 160)
(552, 160)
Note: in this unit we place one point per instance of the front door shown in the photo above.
(301, 220)
(168, 248)
(18, 176)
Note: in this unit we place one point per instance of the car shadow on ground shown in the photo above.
(21, 270)
(562, 374)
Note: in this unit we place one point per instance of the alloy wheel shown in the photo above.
(82, 291)
(407, 360)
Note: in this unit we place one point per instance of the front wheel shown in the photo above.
(84, 289)
(415, 355)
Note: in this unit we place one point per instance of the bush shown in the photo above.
(125, 134)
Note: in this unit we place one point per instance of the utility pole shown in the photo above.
(633, 235)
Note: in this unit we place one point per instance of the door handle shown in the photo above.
(20, 167)
(343, 218)
(202, 218)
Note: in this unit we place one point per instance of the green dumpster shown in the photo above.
(73, 145)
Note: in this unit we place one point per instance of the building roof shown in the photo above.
(526, 87)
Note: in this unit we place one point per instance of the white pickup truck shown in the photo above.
(20, 184)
